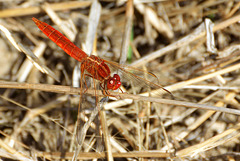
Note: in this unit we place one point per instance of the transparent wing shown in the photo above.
(136, 76)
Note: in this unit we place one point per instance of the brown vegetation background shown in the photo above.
(191, 46)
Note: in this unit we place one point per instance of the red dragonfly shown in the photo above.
(96, 67)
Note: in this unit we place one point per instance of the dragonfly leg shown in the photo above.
(103, 86)
(121, 90)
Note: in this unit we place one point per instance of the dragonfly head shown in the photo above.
(114, 82)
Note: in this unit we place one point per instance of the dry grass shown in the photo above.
(191, 46)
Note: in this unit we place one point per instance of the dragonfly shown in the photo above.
(96, 67)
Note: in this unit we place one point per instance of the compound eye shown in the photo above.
(116, 76)
(114, 82)
(110, 83)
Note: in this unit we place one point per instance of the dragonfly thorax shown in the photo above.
(96, 67)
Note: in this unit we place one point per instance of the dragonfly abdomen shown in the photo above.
(62, 41)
